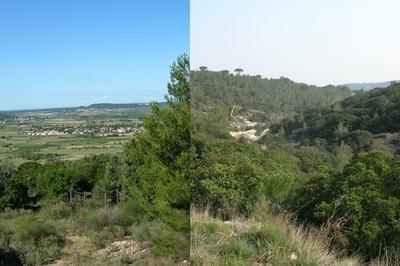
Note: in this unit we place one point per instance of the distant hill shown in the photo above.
(5, 116)
(72, 109)
(220, 99)
(369, 86)
(116, 105)
(354, 120)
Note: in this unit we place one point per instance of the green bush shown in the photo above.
(102, 217)
(311, 158)
(265, 237)
(5, 236)
(230, 185)
(161, 239)
(38, 241)
(56, 209)
(238, 248)
(364, 199)
(232, 177)
(129, 213)
(276, 188)
(80, 220)
(210, 228)
(108, 234)
(107, 224)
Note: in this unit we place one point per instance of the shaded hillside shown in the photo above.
(353, 120)
(257, 99)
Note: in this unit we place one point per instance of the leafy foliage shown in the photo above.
(363, 200)
(232, 176)
(353, 120)
(158, 159)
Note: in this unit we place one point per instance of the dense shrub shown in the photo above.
(352, 120)
(38, 241)
(5, 236)
(54, 209)
(311, 158)
(129, 213)
(231, 177)
(239, 248)
(56, 178)
(230, 186)
(361, 204)
(162, 239)
(101, 218)
(103, 237)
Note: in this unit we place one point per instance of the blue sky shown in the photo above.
(312, 41)
(79, 52)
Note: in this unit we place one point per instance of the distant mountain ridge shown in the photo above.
(95, 105)
(116, 105)
(366, 86)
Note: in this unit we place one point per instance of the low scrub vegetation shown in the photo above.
(264, 238)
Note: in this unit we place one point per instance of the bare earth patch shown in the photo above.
(128, 248)
(79, 250)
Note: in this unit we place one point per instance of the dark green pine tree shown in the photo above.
(157, 161)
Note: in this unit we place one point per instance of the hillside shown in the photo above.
(224, 101)
(263, 239)
(354, 120)
(368, 85)
(325, 157)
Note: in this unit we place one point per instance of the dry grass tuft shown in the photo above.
(265, 238)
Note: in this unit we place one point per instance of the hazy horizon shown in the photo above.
(297, 81)
(77, 106)
(313, 42)
(73, 53)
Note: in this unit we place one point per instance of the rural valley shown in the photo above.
(68, 133)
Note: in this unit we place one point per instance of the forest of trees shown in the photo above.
(215, 93)
(353, 121)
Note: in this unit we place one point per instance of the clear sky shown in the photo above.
(78, 52)
(313, 41)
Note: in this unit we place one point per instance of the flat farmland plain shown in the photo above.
(69, 133)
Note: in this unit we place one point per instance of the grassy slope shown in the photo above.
(264, 239)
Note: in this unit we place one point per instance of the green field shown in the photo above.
(70, 134)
